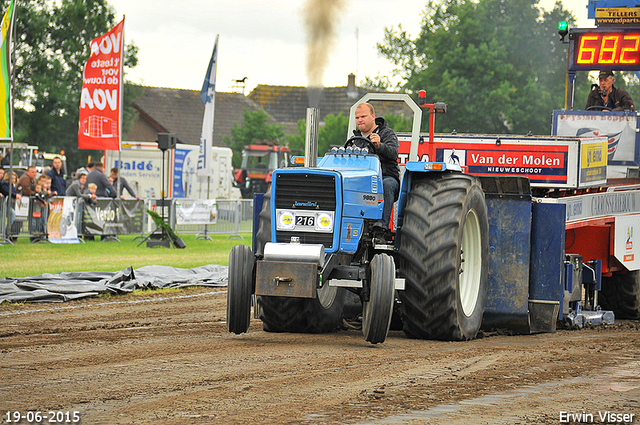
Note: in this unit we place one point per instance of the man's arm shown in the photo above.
(111, 191)
(625, 103)
(127, 186)
(592, 99)
(76, 190)
(389, 145)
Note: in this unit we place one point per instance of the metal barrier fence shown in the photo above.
(232, 216)
(113, 217)
(19, 216)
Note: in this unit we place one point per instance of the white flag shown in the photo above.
(208, 96)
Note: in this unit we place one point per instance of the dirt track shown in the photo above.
(168, 359)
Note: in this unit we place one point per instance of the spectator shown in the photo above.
(104, 189)
(27, 183)
(39, 213)
(7, 157)
(124, 184)
(9, 190)
(2, 194)
(78, 189)
(81, 170)
(45, 181)
(58, 183)
(90, 166)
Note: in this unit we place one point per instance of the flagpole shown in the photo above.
(119, 184)
(207, 94)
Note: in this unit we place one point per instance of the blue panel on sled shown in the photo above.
(547, 252)
(507, 304)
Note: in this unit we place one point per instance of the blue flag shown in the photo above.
(209, 85)
(208, 96)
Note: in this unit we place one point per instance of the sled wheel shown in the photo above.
(376, 315)
(239, 289)
(444, 245)
(621, 294)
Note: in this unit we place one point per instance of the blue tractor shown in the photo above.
(315, 244)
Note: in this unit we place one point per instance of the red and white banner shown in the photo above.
(100, 102)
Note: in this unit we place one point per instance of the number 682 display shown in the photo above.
(602, 48)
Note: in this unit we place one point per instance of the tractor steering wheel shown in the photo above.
(361, 142)
(598, 108)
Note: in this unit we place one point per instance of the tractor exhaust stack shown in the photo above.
(311, 139)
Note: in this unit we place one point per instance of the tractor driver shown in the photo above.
(386, 145)
(606, 96)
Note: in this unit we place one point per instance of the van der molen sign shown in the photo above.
(618, 16)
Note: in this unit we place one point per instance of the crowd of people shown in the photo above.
(90, 183)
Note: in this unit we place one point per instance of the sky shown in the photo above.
(266, 41)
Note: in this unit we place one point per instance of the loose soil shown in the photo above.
(167, 358)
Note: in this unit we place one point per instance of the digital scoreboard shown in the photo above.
(604, 48)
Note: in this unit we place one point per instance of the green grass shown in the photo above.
(26, 259)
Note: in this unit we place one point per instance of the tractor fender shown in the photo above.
(419, 168)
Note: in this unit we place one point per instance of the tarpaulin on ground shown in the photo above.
(67, 286)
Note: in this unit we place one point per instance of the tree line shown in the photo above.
(498, 64)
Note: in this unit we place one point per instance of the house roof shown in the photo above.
(180, 111)
(288, 104)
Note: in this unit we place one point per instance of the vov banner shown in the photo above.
(101, 99)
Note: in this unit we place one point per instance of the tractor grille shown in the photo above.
(303, 190)
(306, 191)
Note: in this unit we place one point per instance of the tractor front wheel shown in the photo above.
(376, 315)
(240, 288)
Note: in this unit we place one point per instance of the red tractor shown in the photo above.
(258, 162)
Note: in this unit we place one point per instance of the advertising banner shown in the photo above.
(196, 211)
(619, 127)
(544, 162)
(547, 161)
(593, 161)
(61, 222)
(101, 97)
(627, 247)
(180, 167)
(21, 208)
(113, 217)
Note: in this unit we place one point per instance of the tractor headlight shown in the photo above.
(324, 222)
(286, 220)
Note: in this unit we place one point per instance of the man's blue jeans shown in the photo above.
(391, 190)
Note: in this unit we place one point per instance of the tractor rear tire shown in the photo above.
(377, 312)
(303, 315)
(239, 289)
(444, 247)
(621, 294)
